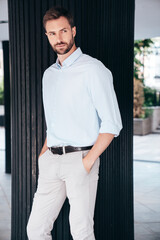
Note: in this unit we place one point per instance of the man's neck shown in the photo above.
(61, 58)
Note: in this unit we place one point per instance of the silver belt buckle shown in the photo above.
(64, 152)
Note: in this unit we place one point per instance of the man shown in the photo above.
(82, 117)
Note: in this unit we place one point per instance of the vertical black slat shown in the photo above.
(11, 50)
(23, 119)
(122, 180)
(11, 25)
(44, 59)
(11, 33)
(60, 225)
(44, 37)
(130, 25)
(28, 168)
(5, 45)
(64, 3)
(116, 176)
(91, 28)
(101, 30)
(39, 76)
(51, 54)
(33, 95)
(106, 20)
(15, 139)
(84, 24)
(49, 49)
(98, 26)
(77, 21)
(113, 51)
(112, 163)
(66, 227)
(110, 193)
(19, 119)
(58, 2)
(127, 159)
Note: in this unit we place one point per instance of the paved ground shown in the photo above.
(146, 189)
(1, 110)
(5, 194)
(147, 200)
(147, 147)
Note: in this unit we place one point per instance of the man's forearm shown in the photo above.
(102, 142)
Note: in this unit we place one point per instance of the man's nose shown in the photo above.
(59, 38)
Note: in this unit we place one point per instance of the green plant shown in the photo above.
(151, 98)
(147, 112)
(141, 48)
(1, 93)
(138, 98)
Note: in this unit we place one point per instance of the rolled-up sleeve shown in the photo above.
(105, 100)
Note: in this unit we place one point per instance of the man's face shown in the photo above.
(60, 35)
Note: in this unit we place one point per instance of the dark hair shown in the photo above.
(55, 13)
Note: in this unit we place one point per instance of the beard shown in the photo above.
(65, 49)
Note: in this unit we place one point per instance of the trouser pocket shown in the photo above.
(95, 165)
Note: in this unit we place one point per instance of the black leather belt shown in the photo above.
(67, 149)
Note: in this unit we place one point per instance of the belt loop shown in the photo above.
(64, 152)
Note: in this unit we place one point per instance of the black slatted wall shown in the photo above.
(105, 30)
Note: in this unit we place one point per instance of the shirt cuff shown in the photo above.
(108, 127)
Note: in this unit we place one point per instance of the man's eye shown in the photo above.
(64, 30)
(51, 34)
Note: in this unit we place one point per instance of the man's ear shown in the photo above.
(74, 31)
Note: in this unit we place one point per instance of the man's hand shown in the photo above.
(42, 152)
(102, 142)
(87, 164)
(44, 148)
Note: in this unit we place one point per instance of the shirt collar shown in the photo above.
(70, 59)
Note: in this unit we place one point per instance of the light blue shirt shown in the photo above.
(79, 101)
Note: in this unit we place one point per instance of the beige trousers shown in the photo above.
(62, 176)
